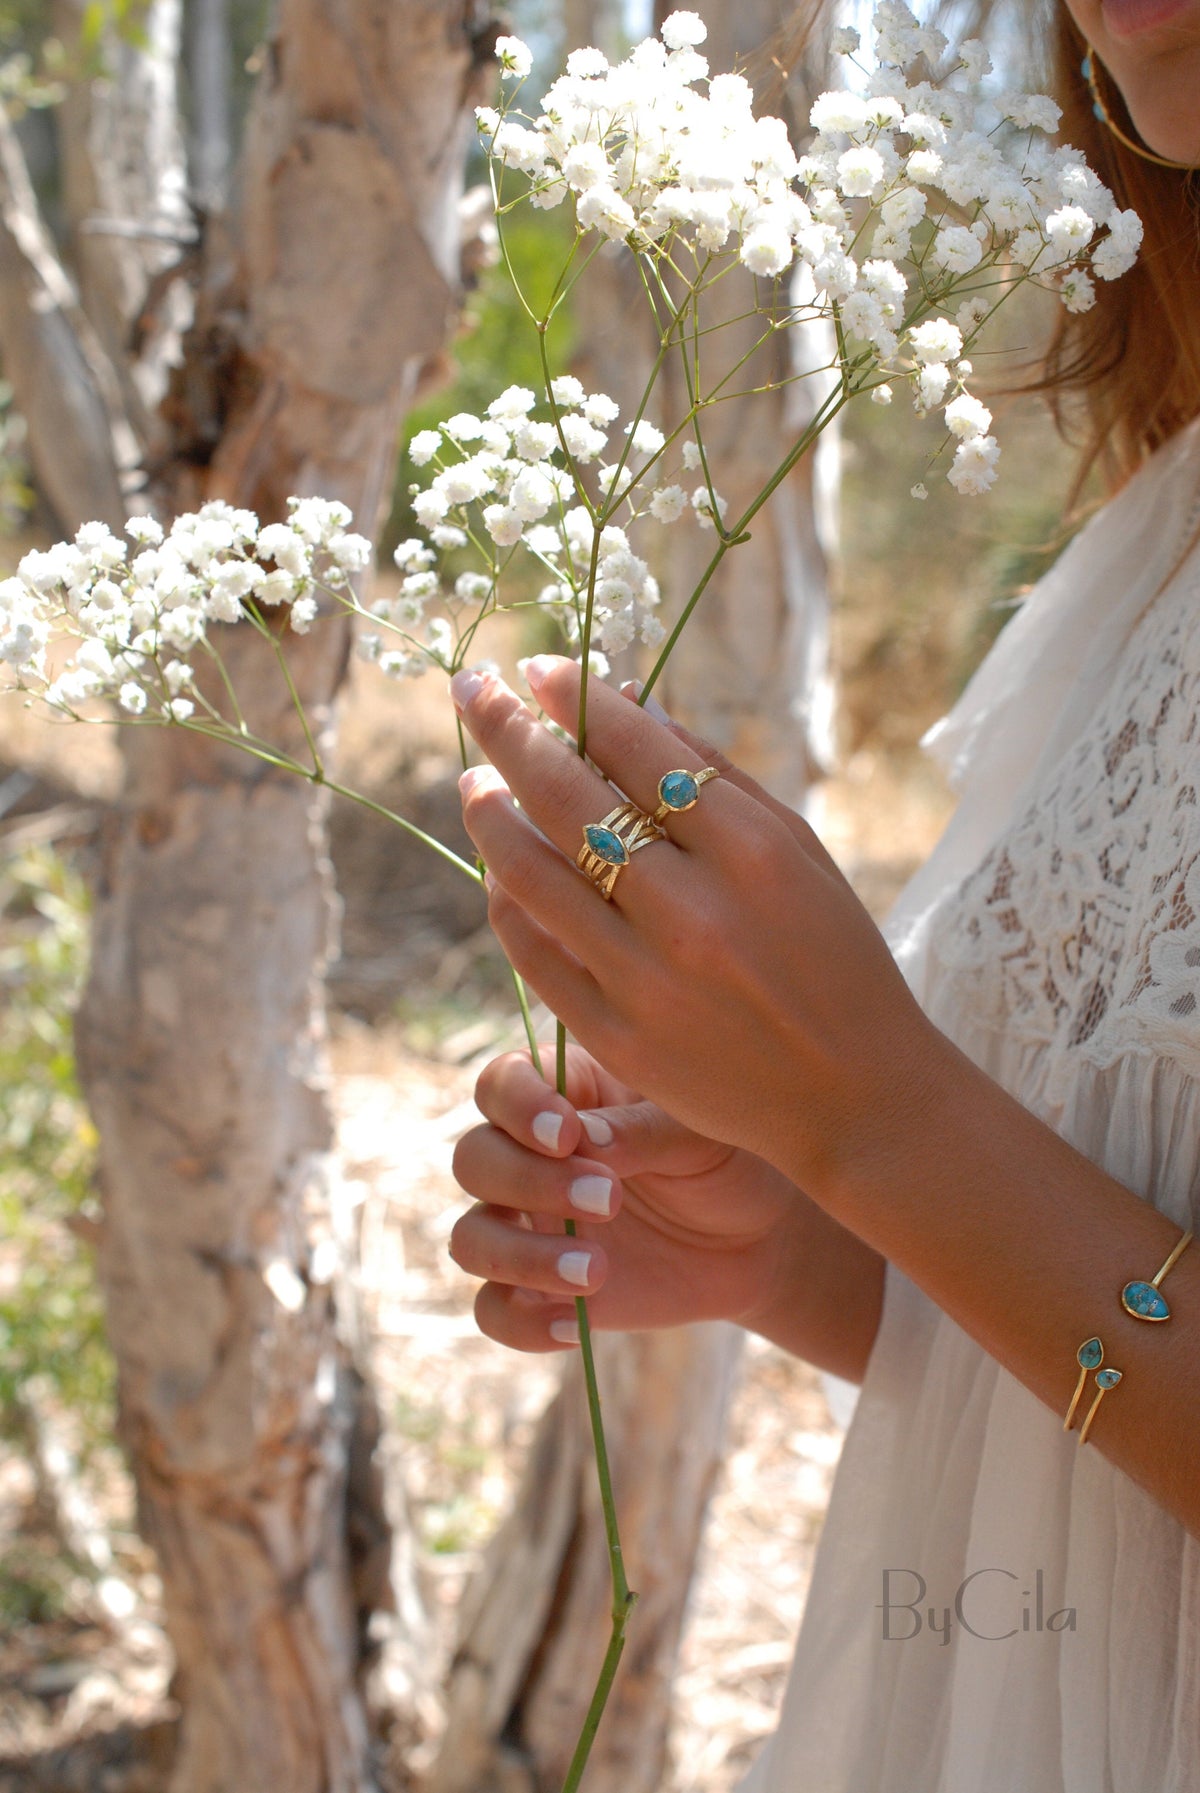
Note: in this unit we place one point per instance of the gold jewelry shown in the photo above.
(1142, 1299)
(680, 789)
(1105, 1379)
(1087, 69)
(1089, 1357)
(1145, 1302)
(608, 845)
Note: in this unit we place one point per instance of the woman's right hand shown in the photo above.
(672, 1227)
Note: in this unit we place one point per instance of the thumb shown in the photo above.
(635, 1137)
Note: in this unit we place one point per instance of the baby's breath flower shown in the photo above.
(683, 30)
(1077, 291)
(936, 340)
(974, 468)
(515, 58)
(966, 417)
(881, 394)
(424, 445)
(844, 41)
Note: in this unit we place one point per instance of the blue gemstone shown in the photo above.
(1143, 1300)
(1089, 1354)
(1107, 1378)
(605, 843)
(678, 790)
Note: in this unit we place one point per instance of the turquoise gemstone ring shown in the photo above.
(678, 790)
(608, 845)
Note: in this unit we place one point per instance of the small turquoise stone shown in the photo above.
(609, 846)
(1144, 1300)
(1089, 1354)
(1107, 1378)
(678, 790)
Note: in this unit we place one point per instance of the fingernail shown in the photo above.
(597, 1129)
(473, 777)
(634, 688)
(489, 882)
(538, 669)
(546, 1129)
(565, 1332)
(463, 687)
(573, 1267)
(591, 1195)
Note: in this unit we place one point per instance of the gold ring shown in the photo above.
(678, 790)
(608, 845)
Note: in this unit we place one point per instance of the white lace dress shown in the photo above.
(1055, 935)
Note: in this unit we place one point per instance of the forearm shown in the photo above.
(825, 1295)
(1026, 1245)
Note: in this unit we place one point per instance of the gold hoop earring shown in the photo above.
(1087, 69)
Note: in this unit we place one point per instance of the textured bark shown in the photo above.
(61, 377)
(536, 1625)
(124, 193)
(202, 1035)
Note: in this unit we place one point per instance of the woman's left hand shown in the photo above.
(734, 978)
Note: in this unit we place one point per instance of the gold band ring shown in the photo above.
(608, 845)
(678, 790)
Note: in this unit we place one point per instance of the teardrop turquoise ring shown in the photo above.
(678, 790)
(608, 845)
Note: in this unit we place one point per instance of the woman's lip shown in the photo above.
(1126, 18)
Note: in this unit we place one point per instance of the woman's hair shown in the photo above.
(1124, 376)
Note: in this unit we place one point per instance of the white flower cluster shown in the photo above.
(136, 613)
(509, 479)
(916, 202)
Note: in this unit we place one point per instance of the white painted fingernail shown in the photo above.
(539, 668)
(573, 1267)
(463, 687)
(597, 1129)
(474, 776)
(591, 1195)
(566, 1332)
(546, 1129)
(651, 705)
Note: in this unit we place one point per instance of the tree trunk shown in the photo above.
(751, 675)
(202, 1034)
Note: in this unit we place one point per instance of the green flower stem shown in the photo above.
(731, 537)
(229, 738)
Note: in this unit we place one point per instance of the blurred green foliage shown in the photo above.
(51, 1320)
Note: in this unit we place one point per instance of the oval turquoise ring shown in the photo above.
(608, 845)
(678, 790)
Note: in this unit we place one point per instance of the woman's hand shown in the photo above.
(734, 979)
(672, 1227)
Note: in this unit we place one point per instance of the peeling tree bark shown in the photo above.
(202, 1034)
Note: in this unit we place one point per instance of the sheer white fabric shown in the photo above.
(1055, 935)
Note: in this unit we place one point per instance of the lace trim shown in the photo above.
(1081, 927)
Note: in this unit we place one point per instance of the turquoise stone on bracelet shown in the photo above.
(605, 844)
(1089, 1354)
(1107, 1378)
(678, 790)
(1144, 1302)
